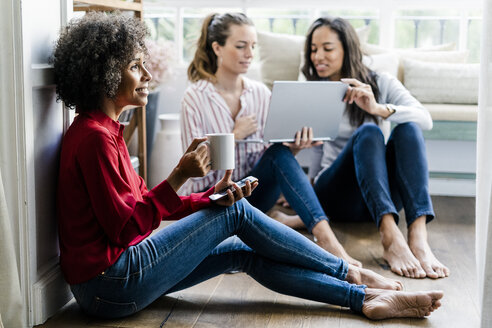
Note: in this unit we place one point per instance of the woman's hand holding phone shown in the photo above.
(235, 193)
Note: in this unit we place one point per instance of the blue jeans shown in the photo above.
(278, 171)
(369, 179)
(198, 247)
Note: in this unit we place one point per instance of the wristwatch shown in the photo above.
(391, 109)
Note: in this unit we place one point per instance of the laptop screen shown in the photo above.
(295, 104)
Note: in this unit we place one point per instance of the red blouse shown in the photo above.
(103, 205)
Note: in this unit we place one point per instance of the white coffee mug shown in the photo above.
(221, 150)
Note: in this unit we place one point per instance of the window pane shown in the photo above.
(420, 28)
(160, 21)
(192, 23)
(405, 34)
(202, 12)
(280, 21)
(282, 25)
(428, 12)
(359, 19)
(191, 33)
(474, 31)
(348, 13)
(161, 28)
(421, 32)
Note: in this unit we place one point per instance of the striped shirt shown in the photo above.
(205, 111)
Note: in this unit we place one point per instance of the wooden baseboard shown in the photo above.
(50, 293)
(452, 187)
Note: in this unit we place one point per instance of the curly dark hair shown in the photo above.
(90, 54)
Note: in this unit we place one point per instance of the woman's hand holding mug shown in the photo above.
(195, 162)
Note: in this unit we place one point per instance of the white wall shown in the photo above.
(31, 126)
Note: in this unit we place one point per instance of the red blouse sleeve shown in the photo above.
(122, 214)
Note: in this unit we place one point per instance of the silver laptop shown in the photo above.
(295, 104)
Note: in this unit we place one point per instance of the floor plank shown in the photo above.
(236, 300)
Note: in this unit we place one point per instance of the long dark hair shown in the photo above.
(352, 66)
(215, 28)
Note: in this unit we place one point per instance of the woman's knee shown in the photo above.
(243, 207)
(370, 130)
(369, 134)
(407, 132)
(277, 151)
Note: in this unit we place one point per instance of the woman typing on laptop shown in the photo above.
(362, 177)
(222, 100)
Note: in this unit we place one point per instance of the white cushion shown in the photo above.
(373, 49)
(280, 55)
(382, 63)
(442, 82)
(453, 112)
(431, 57)
(363, 33)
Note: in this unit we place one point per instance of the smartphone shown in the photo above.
(223, 193)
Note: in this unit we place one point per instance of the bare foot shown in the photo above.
(417, 240)
(383, 304)
(396, 251)
(326, 239)
(292, 221)
(371, 279)
(283, 202)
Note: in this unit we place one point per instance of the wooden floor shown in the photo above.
(236, 300)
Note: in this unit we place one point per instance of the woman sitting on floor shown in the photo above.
(362, 177)
(106, 213)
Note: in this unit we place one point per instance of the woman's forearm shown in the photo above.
(176, 179)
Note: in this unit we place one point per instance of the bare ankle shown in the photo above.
(417, 231)
(387, 225)
(353, 275)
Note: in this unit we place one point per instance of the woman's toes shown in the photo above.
(356, 263)
(398, 271)
(439, 272)
(421, 273)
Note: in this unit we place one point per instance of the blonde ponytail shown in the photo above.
(204, 63)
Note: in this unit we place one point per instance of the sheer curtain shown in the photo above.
(10, 297)
(484, 172)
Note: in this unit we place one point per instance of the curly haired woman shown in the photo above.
(106, 213)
